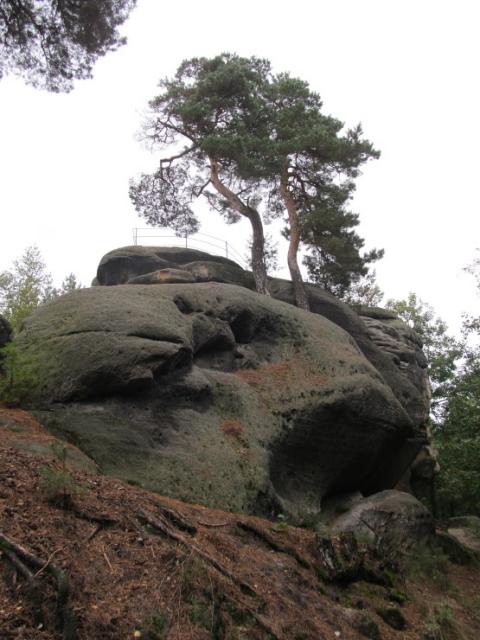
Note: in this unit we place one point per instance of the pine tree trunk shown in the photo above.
(299, 290)
(258, 253)
(258, 245)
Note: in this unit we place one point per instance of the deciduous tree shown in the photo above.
(27, 285)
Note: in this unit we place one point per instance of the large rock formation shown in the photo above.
(209, 392)
(398, 514)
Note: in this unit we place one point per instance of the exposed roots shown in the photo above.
(264, 535)
(22, 559)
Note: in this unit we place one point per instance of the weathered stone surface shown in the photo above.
(395, 513)
(468, 522)
(212, 393)
(121, 265)
(410, 385)
(404, 346)
(208, 271)
(164, 276)
(466, 529)
(394, 337)
(457, 547)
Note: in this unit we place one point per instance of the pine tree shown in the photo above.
(51, 43)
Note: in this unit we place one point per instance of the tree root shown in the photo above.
(176, 519)
(264, 535)
(20, 558)
(259, 619)
(161, 525)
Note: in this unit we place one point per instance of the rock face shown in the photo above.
(395, 338)
(210, 393)
(392, 348)
(398, 514)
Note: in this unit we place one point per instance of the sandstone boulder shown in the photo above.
(466, 529)
(120, 265)
(163, 276)
(394, 513)
(214, 394)
(398, 359)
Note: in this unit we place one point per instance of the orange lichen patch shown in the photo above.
(232, 428)
(285, 372)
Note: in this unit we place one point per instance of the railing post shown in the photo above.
(226, 249)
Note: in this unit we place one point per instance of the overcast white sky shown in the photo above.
(408, 71)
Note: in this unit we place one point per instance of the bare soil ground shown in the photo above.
(140, 565)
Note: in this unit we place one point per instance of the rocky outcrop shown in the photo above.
(466, 530)
(389, 345)
(210, 392)
(395, 514)
(398, 340)
(404, 346)
(400, 362)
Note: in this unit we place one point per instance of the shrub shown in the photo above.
(58, 484)
(17, 375)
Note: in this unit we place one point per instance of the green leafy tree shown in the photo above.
(458, 441)
(458, 435)
(27, 285)
(69, 284)
(210, 112)
(18, 373)
(51, 43)
(442, 350)
(24, 287)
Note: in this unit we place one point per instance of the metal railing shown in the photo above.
(191, 241)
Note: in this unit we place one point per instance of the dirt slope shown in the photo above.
(143, 566)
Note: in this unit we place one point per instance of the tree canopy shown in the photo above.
(51, 43)
(255, 143)
(209, 113)
(311, 164)
(457, 436)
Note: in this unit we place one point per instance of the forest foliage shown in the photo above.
(257, 144)
(52, 43)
